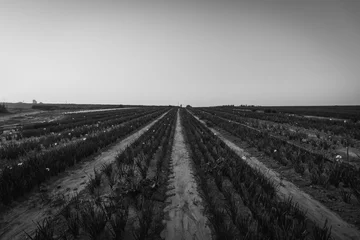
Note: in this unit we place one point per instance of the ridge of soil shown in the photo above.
(185, 218)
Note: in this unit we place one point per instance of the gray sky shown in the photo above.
(270, 52)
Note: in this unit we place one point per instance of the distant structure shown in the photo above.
(34, 101)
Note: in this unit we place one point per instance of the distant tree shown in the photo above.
(188, 106)
(3, 108)
(34, 101)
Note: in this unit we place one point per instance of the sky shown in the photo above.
(201, 53)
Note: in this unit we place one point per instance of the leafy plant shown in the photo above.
(345, 195)
(44, 231)
(93, 220)
(323, 233)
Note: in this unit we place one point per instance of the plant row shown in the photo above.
(347, 128)
(321, 170)
(20, 178)
(15, 149)
(241, 202)
(73, 121)
(107, 215)
(321, 146)
(339, 112)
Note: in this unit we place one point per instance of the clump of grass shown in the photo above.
(356, 194)
(141, 164)
(145, 220)
(73, 224)
(346, 195)
(93, 221)
(323, 233)
(107, 169)
(94, 182)
(44, 231)
(118, 223)
(314, 177)
(112, 179)
(299, 167)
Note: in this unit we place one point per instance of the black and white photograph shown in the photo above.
(179, 120)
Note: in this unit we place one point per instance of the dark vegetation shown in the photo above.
(104, 213)
(323, 171)
(342, 112)
(241, 202)
(19, 178)
(55, 133)
(126, 198)
(3, 108)
(347, 128)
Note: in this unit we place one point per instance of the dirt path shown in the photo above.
(40, 205)
(98, 110)
(316, 211)
(185, 219)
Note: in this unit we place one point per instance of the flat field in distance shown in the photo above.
(335, 112)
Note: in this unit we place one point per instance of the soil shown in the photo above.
(98, 110)
(326, 118)
(184, 214)
(300, 192)
(46, 201)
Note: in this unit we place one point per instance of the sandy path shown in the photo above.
(98, 110)
(21, 218)
(185, 219)
(315, 210)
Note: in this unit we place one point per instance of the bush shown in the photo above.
(3, 108)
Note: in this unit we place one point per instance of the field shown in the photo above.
(334, 112)
(165, 172)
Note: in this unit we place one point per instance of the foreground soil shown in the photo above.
(316, 211)
(184, 214)
(45, 202)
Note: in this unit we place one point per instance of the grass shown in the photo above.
(44, 231)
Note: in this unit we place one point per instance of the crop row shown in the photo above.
(73, 118)
(347, 128)
(20, 178)
(15, 149)
(318, 146)
(241, 202)
(73, 121)
(130, 190)
(322, 170)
